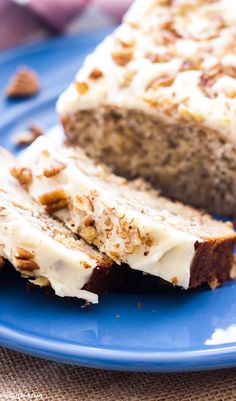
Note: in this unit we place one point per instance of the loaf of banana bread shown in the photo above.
(129, 221)
(157, 99)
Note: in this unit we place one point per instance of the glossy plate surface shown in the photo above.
(171, 331)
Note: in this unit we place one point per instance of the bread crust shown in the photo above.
(212, 262)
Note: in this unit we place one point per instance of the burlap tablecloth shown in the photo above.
(26, 378)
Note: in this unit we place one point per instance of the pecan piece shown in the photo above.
(190, 115)
(89, 234)
(23, 175)
(96, 74)
(163, 81)
(21, 253)
(55, 168)
(24, 260)
(25, 83)
(82, 87)
(55, 200)
(122, 57)
(27, 265)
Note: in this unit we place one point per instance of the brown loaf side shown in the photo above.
(108, 279)
(187, 162)
(213, 262)
(212, 265)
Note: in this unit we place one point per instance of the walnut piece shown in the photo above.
(23, 175)
(25, 83)
(26, 138)
(55, 167)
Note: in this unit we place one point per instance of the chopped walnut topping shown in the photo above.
(54, 207)
(190, 115)
(89, 221)
(23, 175)
(84, 202)
(49, 198)
(159, 58)
(89, 234)
(55, 200)
(127, 42)
(122, 57)
(151, 101)
(207, 79)
(168, 37)
(26, 265)
(107, 222)
(189, 65)
(21, 253)
(82, 87)
(96, 74)
(165, 2)
(94, 193)
(26, 138)
(160, 82)
(174, 280)
(24, 260)
(230, 70)
(25, 83)
(127, 78)
(55, 168)
(85, 264)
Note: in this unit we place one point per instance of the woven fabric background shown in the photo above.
(24, 378)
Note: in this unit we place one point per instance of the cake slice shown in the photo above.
(41, 248)
(128, 221)
(157, 99)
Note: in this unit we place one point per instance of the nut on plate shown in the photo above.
(25, 83)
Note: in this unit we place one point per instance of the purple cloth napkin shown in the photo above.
(27, 20)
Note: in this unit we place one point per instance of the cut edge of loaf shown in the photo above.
(191, 164)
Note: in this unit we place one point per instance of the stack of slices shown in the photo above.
(149, 102)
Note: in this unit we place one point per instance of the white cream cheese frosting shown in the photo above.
(174, 59)
(39, 247)
(129, 225)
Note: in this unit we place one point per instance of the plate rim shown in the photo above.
(108, 358)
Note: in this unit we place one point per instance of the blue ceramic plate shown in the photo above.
(172, 330)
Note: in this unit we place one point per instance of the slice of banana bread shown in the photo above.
(129, 221)
(157, 99)
(41, 248)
